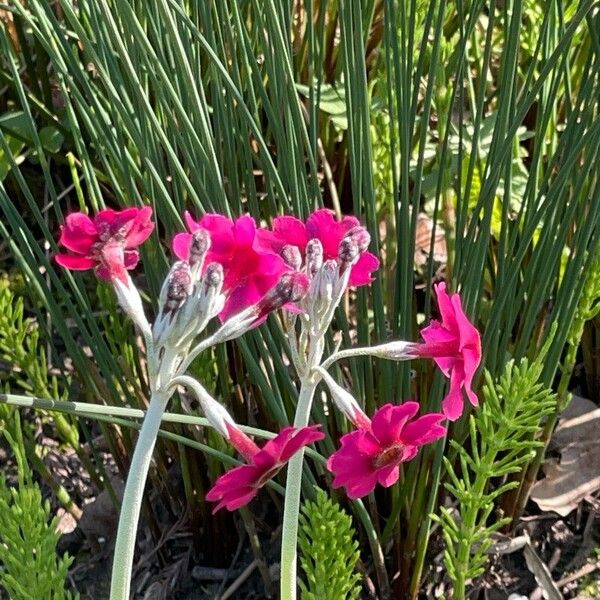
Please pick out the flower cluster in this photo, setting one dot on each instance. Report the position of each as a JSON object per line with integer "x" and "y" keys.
{"x": 238, "y": 272}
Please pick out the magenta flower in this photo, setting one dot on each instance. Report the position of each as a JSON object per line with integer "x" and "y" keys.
{"x": 107, "y": 243}
{"x": 371, "y": 456}
{"x": 455, "y": 345}
{"x": 321, "y": 225}
{"x": 241, "y": 484}
{"x": 249, "y": 270}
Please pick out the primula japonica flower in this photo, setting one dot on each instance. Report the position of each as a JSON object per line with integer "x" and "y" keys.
{"x": 107, "y": 243}
{"x": 455, "y": 345}
{"x": 369, "y": 456}
{"x": 322, "y": 225}
{"x": 249, "y": 270}
{"x": 241, "y": 484}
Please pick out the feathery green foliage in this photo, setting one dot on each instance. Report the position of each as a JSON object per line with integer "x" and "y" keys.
{"x": 30, "y": 567}
{"x": 329, "y": 551}
{"x": 500, "y": 444}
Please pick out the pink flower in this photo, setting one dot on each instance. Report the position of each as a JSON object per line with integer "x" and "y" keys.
{"x": 321, "y": 225}
{"x": 249, "y": 271}
{"x": 371, "y": 456}
{"x": 106, "y": 243}
{"x": 241, "y": 484}
{"x": 455, "y": 345}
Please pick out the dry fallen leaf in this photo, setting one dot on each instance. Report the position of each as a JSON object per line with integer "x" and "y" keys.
{"x": 577, "y": 473}
{"x": 423, "y": 242}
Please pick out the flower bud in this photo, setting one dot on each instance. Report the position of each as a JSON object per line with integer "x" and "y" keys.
{"x": 325, "y": 281}
{"x": 348, "y": 252}
{"x": 345, "y": 402}
{"x": 174, "y": 294}
{"x": 213, "y": 276}
{"x": 179, "y": 287}
{"x": 314, "y": 256}
{"x": 131, "y": 302}
{"x": 360, "y": 236}
{"x": 292, "y": 257}
{"x": 198, "y": 248}
{"x": 206, "y": 303}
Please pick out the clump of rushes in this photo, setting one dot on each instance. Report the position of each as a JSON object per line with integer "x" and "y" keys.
{"x": 237, "y": 272}
{"x": 329, "y": 551}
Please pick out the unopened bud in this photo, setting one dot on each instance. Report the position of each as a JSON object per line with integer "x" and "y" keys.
{"x": 314, "y": 256}
{"x": 292, "y": 257}
{"x": 199, "y": 247}
{"x": 345, "y": 402}
{"x": 213, "y": 276}
{"x": 360, "y": 236}
{"x": 174, "y": 294}
{"x": 348, "y": 251}
{"x": 179, "y": 287}
{"x": 292, "y": 287}
{"x": 327, "y": 278}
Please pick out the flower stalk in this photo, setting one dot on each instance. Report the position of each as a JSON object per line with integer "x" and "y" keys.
{"x": 133, "y": 496}
{"x": 293, "y": 487}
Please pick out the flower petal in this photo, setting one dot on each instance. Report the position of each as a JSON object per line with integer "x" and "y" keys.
{"x": 362, "y": 270}
{"x": 244, "y": 230}
{"x": 389, "y": 420}
{"x": 388, "y": 475}
{"x": 78, "y": 234}
{"x": 452, "y": 405}
{"x": 424, "y": 430}
{"x": 181, "y": 245}
{"x": 141, "y": 228}
{"x": 75, "y": 263}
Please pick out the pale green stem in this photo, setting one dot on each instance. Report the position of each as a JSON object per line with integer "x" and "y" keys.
{"x": 132, "y": 498}
{"x": 292, "y": 496}
{"x": 401, "y": 351}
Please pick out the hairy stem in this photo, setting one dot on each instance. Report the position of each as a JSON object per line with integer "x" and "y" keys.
{"x": 293, "y": 486}
{"x": 132, "y": 498}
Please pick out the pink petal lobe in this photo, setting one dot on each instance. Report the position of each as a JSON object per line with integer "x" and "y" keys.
{"x": 79, "y": 233}
{"x": 446, "y": 308}
{"x": 75, "y": 263}
{"x": 190, "y": 222}
{"x": 181, "y": 245}
{"x": 424, "y": 430}
{"x": 291, "y": 230}
{"x": 141, "y": 228}
{"x": 244, "y": 230}
{"x": 361, "y": 273}
{"x": 387, "y": 476}
{"x": 389, "y": 420}
{"x": 322, "y": 225}
{"x": 452, "y": 405}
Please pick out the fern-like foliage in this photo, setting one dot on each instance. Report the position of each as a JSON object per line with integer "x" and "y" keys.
{"x": 329, "y": 551}
{"x": 501, "y": 442}
{"x": 23, "y": 351}
{"x": 30, "y": 567}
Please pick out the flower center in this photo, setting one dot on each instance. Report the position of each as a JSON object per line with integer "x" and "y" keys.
{"x": 389, "y": 456}
{"x": 267, "y": 475}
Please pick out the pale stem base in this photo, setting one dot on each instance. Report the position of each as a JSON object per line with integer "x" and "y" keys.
{"x": 132, "y": 498}
{"x": 292, "y": 497}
